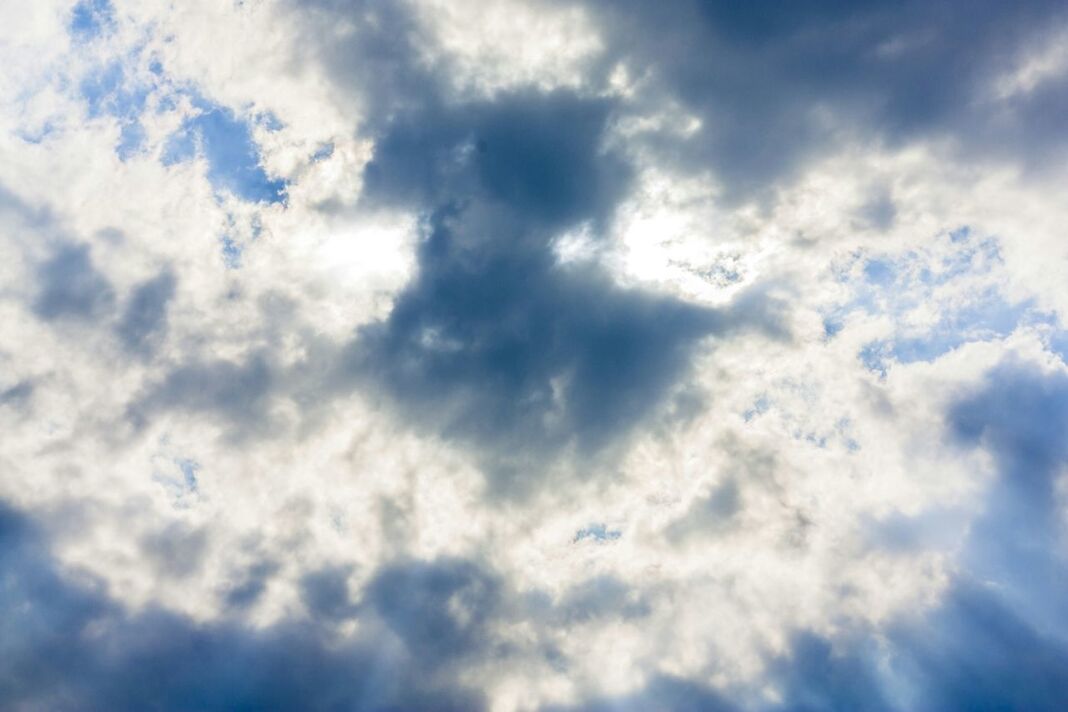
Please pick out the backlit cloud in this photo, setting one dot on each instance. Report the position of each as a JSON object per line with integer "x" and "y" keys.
{"x": 533, "y": 355}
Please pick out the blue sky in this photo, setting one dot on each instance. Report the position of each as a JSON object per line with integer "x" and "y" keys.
{"x": 533, "y": 355}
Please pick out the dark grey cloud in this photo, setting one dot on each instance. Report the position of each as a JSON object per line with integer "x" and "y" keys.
{"x": 711, "y": 513}
{"x": 439, "y": 608}
{"x": 326, "y": 594}
{"x": 18, "y": 394}
{"x": 972, "y": 652}
{"x": 32, "y": 217}
{"x": 664, "y": 694}
{"x": 599, "y": 597}
{"x": 70, "y": 286}
{"x": 1021, "y": 417}
{"x": 538, "y": 156}
{"x": 815, "y": 677}
{"x": 144, "y": 319}
{"x": 240, "y": 392}
{"x": 371, "y": 49}
{"x": 248, "y": 590}
{"x": 879, "y": 211}
{"x": 776, "y": 86}
{"x": 64, "y": 645}
{"x": 977, "y": 653}
{"x": 494, "y": 341}
{"x": 176, "y": 551}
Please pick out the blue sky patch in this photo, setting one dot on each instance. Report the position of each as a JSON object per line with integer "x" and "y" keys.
{"x": 231, "y": 252}
{"x": 109, "y": 92}
{"x": 232, "y": 155}
{"x": 985, "y": 318}
{"x": 322, "y": 153}
{"x": 214, "y": 131}
{"x": 91, "y": 18}
{"x": 1058, "y": 343}
{"x": 597, "y": 532}
{"x": 131, "y": 140}
{"x": 959, "y": 280}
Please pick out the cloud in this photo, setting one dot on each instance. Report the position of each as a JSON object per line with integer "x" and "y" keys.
{"x": 439, "y": 608}
{"x": 71, "y": 287}
{"x": 144, "y": 320}
{"x": 252, "y": 587}
{"x": 669, "y": 694}
{"x": 492, "y": 321}
{"x": 424, "y": 623}
{"x": 176, "y": 551}
{"x": 962, "y": 657}
{"x": 238, "y": 392}
{"x": 555, "y": 355}
{"x": 710, "y": 513}
{"x": 773, "y": 89}
{"x": 1021, "y": 417}
{"x": 17, "y": 394}
{"x": 997, "y": 638}
{"x": 70, "y": 647}
{"x": 326, "y": 593}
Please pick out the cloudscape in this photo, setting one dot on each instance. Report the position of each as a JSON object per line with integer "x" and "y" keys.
{"x": 533, "y": 355}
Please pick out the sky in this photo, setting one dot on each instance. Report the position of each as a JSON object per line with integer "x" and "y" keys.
{"x": 533, "y": 355}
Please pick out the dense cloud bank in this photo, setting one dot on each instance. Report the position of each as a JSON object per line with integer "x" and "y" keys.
{"x": 69, "y": 647}
{"x": 533, "y": 355}
{"x": 774, "y": 87}
{"x": 494, "y": 340}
